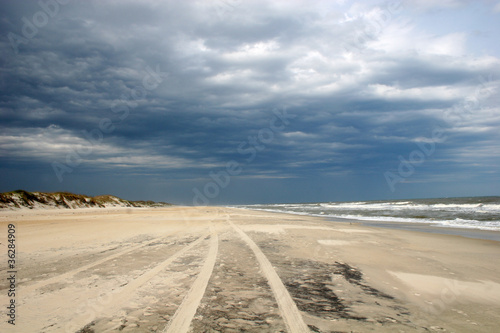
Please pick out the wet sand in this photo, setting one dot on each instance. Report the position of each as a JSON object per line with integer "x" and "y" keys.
{"x": 212, "y": 269}
{"x": 431, "y": 228}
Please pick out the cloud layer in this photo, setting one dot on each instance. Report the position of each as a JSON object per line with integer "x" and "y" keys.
{"x": 160, "y": 94}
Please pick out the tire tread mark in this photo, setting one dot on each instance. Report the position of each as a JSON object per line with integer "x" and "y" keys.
{"x": 69, "y": 274}
{"x": 127, "y": 291}
{"x": 289, "y": 311}
{"x": 122, "y": 295}
{"x": 181, "y": 320}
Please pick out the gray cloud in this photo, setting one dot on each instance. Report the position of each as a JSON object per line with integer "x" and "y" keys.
{"x": 358, "y": 101}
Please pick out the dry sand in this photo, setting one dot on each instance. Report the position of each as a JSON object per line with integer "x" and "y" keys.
{"x": 229, "y": 270}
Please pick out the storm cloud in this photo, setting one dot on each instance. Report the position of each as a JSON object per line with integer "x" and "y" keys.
{"x": 250, "y": 101}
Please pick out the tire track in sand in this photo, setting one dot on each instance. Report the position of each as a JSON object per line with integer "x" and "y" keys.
{"x": 181, "y": 320}
{"x": 29, "y": 288}
{"x": 289, "y": 311}
{"x": 126, "y": 292}
{"x": 122, "y": 295}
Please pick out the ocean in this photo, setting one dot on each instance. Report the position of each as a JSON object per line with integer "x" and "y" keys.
{"x": 472, "y": 212}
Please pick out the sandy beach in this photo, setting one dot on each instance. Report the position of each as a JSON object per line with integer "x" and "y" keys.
{"x": 213, "y": 269}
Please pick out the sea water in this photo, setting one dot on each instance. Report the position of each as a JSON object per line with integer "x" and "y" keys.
{"x": 472, "y": 212}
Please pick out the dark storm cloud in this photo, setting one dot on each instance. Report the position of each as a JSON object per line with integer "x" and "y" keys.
{"x": 222, "y": 73}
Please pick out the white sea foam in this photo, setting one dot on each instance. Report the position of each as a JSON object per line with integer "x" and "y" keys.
{"x": 476, "y": 213}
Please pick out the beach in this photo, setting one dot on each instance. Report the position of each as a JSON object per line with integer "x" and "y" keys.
{"x": 215, "y": 269}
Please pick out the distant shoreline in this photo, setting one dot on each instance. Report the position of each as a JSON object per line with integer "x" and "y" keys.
{"x": 430, "y": 228}
{"x": 408, "y": 226}
{"x": 457, "y": 216}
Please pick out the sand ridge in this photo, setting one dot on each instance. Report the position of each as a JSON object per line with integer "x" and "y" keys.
{"x": 289, "y": 311}
{"x": 182, "y": 318}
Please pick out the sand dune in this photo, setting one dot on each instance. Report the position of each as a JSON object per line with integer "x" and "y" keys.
{"x": 212, "y": 269}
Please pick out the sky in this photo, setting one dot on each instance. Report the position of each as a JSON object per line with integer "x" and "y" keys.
{"x": 242, "y": 102}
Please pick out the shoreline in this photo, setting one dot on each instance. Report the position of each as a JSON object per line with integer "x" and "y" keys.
{"x": 492, "y": 235}
{"x": 427, "y": 227}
